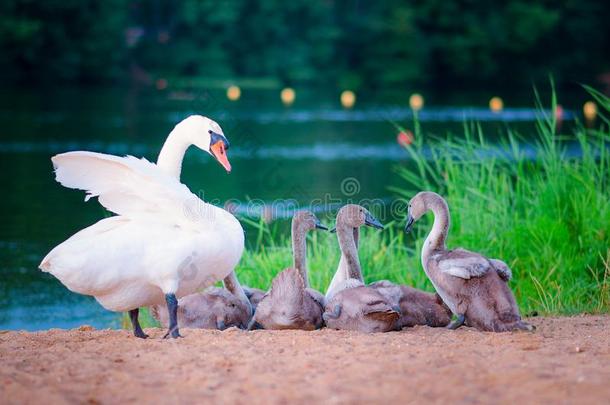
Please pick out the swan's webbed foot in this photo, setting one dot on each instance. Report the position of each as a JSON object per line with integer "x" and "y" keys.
{"x": 459, "y": 321}
{"x": 172, "y": 333}
{"x": 137, "y": 329}
{"x": 172, "y": 308}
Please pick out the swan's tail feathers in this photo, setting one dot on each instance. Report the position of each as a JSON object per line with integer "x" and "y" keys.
{"x": 502, "y": 269}
{"x": 45, "y": 265}
{"x": 288, "y": 286}
{"x": 49, "y": 262}
{"x": 128, "y": 186}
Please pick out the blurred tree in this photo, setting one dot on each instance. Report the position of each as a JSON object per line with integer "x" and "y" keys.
{"x": 74, "y": 40}
{"x": 345, "y": 43}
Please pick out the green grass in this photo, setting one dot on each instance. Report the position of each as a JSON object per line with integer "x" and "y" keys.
{"x": 548, "y": 217}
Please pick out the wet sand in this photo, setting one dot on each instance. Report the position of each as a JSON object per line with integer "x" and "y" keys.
{"x": 566, "y": 360}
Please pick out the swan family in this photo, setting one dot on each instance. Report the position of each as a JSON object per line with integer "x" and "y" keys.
{"x": 165, "y": 249}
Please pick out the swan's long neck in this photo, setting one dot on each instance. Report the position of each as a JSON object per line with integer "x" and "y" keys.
{"x": 348, "y": 242}
{"x": 172, "y": 153}
{"x": 170, "y": 161}
{"x": 437, "y": 236}
{"x": 299, "y": 250}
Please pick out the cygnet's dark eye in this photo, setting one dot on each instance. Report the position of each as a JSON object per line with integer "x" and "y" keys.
{"x": 210, "y": 131}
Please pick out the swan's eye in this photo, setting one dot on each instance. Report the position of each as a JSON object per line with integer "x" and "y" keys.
{"x": 210, "y": 131}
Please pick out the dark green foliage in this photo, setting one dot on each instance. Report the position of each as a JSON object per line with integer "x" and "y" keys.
{"x": 68, "y": 40}
{"x": 355, "y": 44}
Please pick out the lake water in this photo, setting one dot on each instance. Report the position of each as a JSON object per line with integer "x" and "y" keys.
{"x": 299, "y": 153}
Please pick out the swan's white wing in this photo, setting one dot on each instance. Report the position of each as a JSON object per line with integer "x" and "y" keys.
{"x": 465, "y": 267}
{"x": 128, "y": 186}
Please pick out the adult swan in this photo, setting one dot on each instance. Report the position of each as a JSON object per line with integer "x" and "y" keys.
{"x": 164, "y": 243}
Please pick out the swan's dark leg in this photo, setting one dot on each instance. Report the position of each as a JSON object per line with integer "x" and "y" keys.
{"x": 172, "y": 308}
{"x": 137, "y": 329}
{"x": 457, "y": 323}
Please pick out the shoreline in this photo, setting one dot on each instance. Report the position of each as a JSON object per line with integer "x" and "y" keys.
{"x": 567, "y": 359}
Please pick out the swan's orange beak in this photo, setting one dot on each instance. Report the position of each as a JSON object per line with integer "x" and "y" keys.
{"x": 219, "y": 152}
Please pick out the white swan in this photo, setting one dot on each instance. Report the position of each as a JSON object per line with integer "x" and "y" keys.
{"x": 164, "y": 243}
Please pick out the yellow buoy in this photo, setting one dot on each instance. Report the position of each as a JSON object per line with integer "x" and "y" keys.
{"x": 233, "y": 93}
{"x": 287, "y": 95}
{"x": 416, "y": 101}
{"x": 348, "y": 99}
{"x": 589, "y": 109}
{"x": 496, "y": 104}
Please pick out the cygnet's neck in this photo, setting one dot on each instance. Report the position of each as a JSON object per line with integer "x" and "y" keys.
{"x": 438, "y": 235}
{"x": 299, "y": 249}
{"x": 349, "y": 250}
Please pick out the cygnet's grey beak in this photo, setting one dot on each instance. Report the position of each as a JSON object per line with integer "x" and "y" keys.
{"x": 370, "y": 220}
{"x": 410, "y": 221}
{"x": 321, "y": 226}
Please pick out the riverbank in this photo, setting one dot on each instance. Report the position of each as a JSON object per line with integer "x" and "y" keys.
{"x": 566, "y": 360}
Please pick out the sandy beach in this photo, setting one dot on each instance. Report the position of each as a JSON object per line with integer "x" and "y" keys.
{"x": 567, "y": 360}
